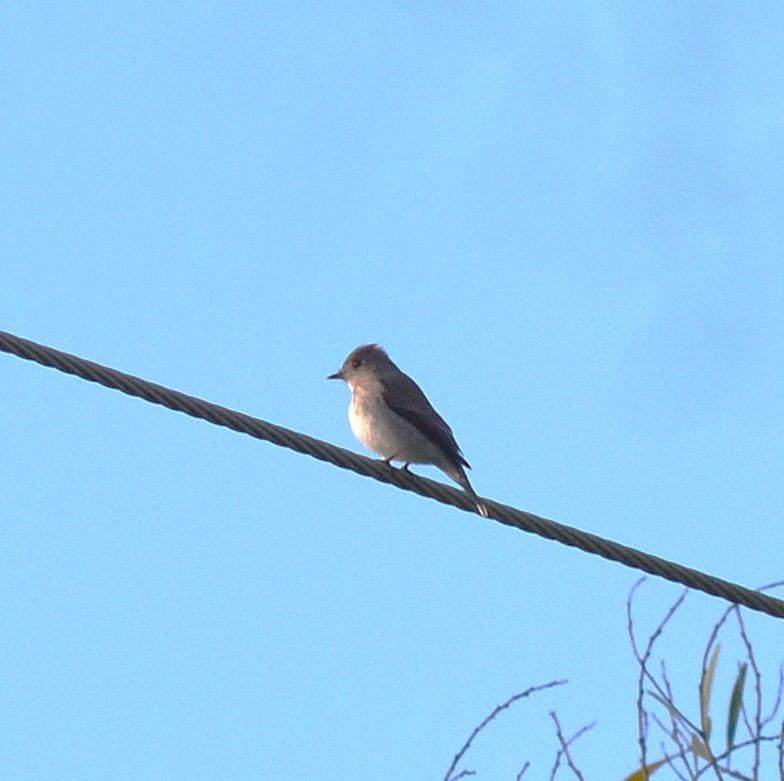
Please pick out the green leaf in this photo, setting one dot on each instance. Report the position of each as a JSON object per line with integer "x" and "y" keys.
{"x": 706, "y": 687}
{"x": 736, "y": 700}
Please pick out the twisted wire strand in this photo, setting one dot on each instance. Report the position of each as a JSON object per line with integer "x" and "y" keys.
{"x": 378, "y": 470}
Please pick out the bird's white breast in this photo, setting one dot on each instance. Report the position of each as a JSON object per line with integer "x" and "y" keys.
{"x": 367, "y": 417}
{"x": 384, "y": 432}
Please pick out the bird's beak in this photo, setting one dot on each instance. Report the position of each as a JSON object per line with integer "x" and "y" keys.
{"x": 336, "y": 376}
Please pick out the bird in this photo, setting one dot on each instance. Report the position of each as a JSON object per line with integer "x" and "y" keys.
{"x": 390, "y": 414}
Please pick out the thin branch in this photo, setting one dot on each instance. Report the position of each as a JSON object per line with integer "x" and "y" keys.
{"x": 672, "y": 767}
{"x": 522, "y": 771}
{"x": 564, "y": 750}
{"x": 642, "y": 716}
{"x": 642, "y": 661}
{"x": 715, "y": 764}
{"x": 768, "y": 719}
{"x": 712, "y": 641}
{"x": 677, "y": 734}
{"x": 491, "y": 716}
{"x": 653, "y": 638}
{"x": 780, "y": 747}
{"x": 757, "y": 689}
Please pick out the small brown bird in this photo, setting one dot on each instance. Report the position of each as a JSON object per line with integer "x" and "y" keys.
{"x": 391, "y": 416}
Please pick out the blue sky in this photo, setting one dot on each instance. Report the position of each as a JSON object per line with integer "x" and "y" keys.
{"x": 564, "y": 221}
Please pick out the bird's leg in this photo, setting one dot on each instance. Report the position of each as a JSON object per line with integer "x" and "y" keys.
{"x": 389, "y": 461}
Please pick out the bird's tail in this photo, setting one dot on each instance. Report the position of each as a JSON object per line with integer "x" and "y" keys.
{"x": 458, "y": 474}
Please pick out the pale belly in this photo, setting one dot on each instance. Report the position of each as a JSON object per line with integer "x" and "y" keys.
{"x": 389, "y": 436}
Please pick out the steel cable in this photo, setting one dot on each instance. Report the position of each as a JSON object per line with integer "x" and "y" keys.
{"x": 378, "y": 470}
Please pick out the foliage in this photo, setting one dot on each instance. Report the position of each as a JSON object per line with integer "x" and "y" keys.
{"x": 689, "y": 745}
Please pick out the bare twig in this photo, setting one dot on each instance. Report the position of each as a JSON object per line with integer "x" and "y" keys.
{"x": 712, "y": 640}
{"x": 757, "y": 690}
{"x": 771, "y": 586}
{"x": 677, "y": 733}
{"x": 737, "y": 747}
{"x": 728, "y": 771}
{"x": 672, "y": 767}
{"x": 653, "y": 638}
{"x": 564, "y": 750}
{"x": 780, "y": 747}
{"x": 774, "y": 710}
{"x": 659, "y": 723}
{"x": 629, "y": 620}
{"x": 642, "y": 661}
{"x": 642, "y": 716}
{"x": 491, "y": 716}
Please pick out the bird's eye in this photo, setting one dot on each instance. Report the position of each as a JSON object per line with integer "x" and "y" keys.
{"x": 356, "y": 363}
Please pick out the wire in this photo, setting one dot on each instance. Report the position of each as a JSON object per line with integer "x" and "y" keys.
{"x": 378, "y": 470}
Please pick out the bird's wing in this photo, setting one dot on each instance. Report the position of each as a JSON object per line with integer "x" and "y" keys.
{"x": 404, "y": 397}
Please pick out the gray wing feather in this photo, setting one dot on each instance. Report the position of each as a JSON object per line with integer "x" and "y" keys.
{"x": 404, "y": 397}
